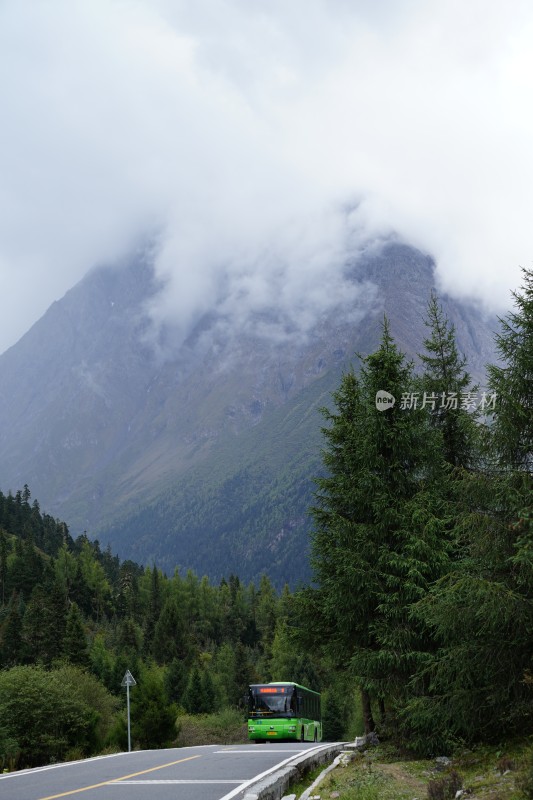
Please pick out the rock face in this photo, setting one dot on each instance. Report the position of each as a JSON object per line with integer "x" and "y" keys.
{"x": 201, "y": 456}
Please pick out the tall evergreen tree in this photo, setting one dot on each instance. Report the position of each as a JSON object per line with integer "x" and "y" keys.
{"x": 44, "y": 622}
{"x": 379, "y": 522}
{"x": 155, "y": 605}
{"x": 169, "y": 640}
{"x": 482, "y": 612}
{"x": 208, "y": 693}
{"x": 193, "y": 699}
{"x": 3, "y": 567}
{"x": 175, "y": 681}
{"x": 152, "y": 718}
{"x": 75, "y": 640}
{"x": 446, "y": 389}
{"x": 11, "y": 644}
{"x": 26, "y": 569}
{"x": 513, "y": 382}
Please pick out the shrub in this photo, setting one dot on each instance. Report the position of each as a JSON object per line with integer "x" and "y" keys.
{"x": 47, "y": 713}
{"x": 224, "y": 727}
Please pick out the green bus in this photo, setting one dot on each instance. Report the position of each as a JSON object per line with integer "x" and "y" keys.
{"x": 279, "y": 711}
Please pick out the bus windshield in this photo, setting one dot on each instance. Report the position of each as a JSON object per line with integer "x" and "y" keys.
{"x": 264, "y": 701}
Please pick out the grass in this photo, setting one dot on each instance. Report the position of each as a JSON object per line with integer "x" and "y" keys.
{"x": 307, "y": 779}
{"x": 384, "y": 773}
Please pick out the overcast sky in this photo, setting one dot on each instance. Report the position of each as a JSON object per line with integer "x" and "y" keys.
{"x": 242, "y": 130}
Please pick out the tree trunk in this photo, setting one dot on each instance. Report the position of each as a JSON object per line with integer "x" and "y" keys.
{"x": 367, "y": 712}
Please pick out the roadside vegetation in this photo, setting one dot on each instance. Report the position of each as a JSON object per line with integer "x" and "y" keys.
{"x": 495, "y": 772}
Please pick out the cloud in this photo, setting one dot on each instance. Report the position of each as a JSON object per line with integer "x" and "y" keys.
{"x": 241, "y": 130}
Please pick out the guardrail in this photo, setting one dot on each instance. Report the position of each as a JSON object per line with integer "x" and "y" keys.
{"x": 274, "y": 786}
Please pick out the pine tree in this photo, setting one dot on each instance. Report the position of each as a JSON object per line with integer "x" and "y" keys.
{"x": 445, "y": 388}
{"x": 152, "y": 718}
{"x": 154, "y": 609}
{"x": 26, "y": 569}
{"x": 169, "y": 640}
{"x": 11, "y": 644}
{"x": 44, "y": 622}
{"x": 378, "y": 540}
{"x": 3, "y": 567}
{"x": 176, "y": 681}
{"x": 482, "y": 612}
{"x": 193, "y": 699}
{"x": 209, "y": 700}
{"x": 512, "y": 429}
{"x": 333, "y": 717}
{"x": 129, "y": 637}
{"x": 75, "y": 641}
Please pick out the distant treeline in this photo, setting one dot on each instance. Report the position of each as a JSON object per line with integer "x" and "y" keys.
{"x": 72, "y": 615}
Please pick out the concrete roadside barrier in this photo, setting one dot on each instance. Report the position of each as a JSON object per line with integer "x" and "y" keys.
{"x": 274, "y": 786}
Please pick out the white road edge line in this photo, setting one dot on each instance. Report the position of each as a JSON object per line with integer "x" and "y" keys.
{"x": 257, "y": 778}
{"x": 33, "y": 770}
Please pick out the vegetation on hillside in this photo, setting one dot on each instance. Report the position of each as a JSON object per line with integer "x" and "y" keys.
{"x": 420, "y": 616}
{"x": 72, "y": 615}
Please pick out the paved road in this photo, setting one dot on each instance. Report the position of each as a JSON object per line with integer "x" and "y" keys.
{"x": 212, "y": 772}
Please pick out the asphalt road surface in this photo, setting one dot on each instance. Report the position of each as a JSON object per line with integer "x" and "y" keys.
{"x": 211, "y": 772}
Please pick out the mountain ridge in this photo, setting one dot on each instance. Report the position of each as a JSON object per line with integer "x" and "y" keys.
{"x": 197, "y": 456}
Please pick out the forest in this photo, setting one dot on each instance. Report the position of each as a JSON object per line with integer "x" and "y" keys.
{"x": 74, "y": 618}
{"x": 418, "y": 621}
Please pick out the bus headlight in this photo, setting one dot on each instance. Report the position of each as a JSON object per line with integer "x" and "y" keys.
{"x": 292, "y": 727}
{"x": 251, "y": 729}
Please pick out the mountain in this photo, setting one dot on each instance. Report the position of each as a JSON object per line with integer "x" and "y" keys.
{"x": 199, "y": 455}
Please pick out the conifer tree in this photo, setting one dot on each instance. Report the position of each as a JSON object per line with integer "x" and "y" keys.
{"x": 446, "y": 388}
{"x": 129, "y": 637}
{"x": 379, "y": 537}
{"x": 152, "y": 718}
{"x": 333, "y": 717}
{"x": 79, "y": 590}
{"x": 209, "y": 700}
{"x": 169, "y": 640}
{"x": 75, "y": 641}
{"x": 512, "y": 430}
{"x": 193, "y": 699}
{"x": 11, "y": 644}
{"x": 154, "y": 609}
{"x": 3, "y": 567}
{"x": 44, "y": 622}
{"x": 176, "y": 681}
{"x": 26, "y": 569}
{"x": 482, "y": 612}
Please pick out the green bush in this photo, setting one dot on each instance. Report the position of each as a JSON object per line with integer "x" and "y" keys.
{"x": 47, "y": 713}
{"x": 224, "y": 727}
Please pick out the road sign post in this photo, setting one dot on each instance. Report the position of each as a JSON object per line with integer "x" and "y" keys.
{"x": 127, "y": 681}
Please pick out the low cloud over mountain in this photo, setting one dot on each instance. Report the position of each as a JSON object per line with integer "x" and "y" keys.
{"x": 242, "y": 132}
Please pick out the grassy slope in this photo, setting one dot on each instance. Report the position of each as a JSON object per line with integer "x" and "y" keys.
{"x": 252, "y": 495}
{"x": 383, "y": 773}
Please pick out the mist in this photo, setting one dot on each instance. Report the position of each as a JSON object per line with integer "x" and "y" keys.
{"x": 265, "y": 143}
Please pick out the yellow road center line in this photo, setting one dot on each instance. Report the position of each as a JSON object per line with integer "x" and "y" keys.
{"x": 116, "y": 780}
